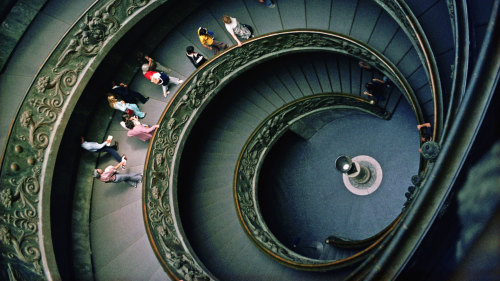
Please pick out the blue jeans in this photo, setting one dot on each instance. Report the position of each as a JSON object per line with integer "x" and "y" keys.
{"x": 135, "y": 108}
{"x": 131, "y": 179}
{"x": 111, "y": 150}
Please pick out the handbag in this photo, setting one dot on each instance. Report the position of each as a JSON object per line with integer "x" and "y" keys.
{"x": 249, "y": 28}
{"x": 130, "y": 112}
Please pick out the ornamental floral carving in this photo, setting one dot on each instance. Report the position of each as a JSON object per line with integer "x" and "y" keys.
{"x": 89, "y": 38}
{"x": 33, "y": 129}
{"x": 18, "y": 229}
{"x": 135, "y": 5}
{"x": 252, "y": 157}
{"x": 186, "y": 107}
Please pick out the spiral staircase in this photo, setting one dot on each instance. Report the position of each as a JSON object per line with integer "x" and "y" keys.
{"x": 225, "y": 131}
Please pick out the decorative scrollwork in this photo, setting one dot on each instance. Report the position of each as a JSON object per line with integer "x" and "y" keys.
{"x": 33, "y": 128}
{"x": 18, "y": 228}
{"x": 89, "y": 38}
{"x": 136, "y": 4}
{"x": 252, "y": 156}
{"x": 162, "y": 222}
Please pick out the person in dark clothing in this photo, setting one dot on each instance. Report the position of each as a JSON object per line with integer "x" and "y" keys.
{"x": 102, "y": 147}
{"x": 194, "y": 57}
{"x": 425, "y": 131}
{"x": 375, "y": 89}
{"x": 126, "y": 94}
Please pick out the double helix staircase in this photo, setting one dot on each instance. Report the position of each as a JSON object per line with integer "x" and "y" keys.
{"x": 119, "y": 244}
{"x": 206, "y": 201}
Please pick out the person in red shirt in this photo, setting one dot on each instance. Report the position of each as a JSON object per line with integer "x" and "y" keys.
{"x": 160, "y": 78}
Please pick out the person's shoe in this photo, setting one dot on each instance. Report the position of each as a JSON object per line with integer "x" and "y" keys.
{"x": 166, "y": 94}
{"x": 180, "y": 82}
{"x": 272, "y": 5}
{"x": 124, "y": 159}
{"x": 146, "y": 100}
{"x": 116, "y": 144}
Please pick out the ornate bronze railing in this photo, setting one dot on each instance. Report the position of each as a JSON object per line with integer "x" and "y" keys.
{"x": 460, "y": 23}
{"x": 341, "y": 242}
{"x": 252, "y": 157}
{"x": 33, "y": 141}
{"x": 160, "y": 192}
{"x": 32, "y": 144}
{"x": 405, "y": 18}
{"x": 447, "y": 167}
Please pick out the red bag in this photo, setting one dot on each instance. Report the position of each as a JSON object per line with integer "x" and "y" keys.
{"x": 130, "y": 112}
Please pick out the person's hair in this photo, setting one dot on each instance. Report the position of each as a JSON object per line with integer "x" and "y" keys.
{"x": 145, "y": 67}
{"x": 129, "y": 124}
{"x": 111, "y": 100}
{"x": 203, "y": 31}
{"x": 189, "y": 49}
{"x": 125, "y": 117}
{"x": 96, "y": 174}
{"x": 226, "y": 19}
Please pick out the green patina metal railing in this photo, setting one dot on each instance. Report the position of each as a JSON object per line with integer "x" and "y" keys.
{"x": 162, "y": 164}
{"x": 405, "y": 18}
{"x": 31, "y": 150}
{"x": 252, "y": 157}
{"x": 459, "y": 19}
{"x": 448, "y": 166}
{"x": 33, "y": 141}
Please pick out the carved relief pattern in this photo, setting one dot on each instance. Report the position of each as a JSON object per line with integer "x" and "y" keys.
{"x": 186, "y": 106}
{"x": 18, "y": 228}
{"x": 135, "y": 5}
{"x": 252, "y": 157}
{"x": 88, "y": 40}
{"x": 33, "y": 129}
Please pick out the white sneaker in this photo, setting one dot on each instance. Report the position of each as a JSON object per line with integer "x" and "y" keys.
{"x": 124, "y": 161}
{"x": 108, "y": 140}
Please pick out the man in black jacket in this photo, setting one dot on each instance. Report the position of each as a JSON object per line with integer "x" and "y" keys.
{"x": 126, "y": 94}
{"x": 194, "y": 57}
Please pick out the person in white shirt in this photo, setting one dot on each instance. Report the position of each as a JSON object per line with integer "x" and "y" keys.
{"x": 102, "y": 147}
{"x": 236, "y": 29}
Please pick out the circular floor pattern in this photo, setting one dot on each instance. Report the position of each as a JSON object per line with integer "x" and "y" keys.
{"x": 375, "y": 177}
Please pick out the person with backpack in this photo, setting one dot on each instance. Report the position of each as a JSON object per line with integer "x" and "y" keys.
{"x": 236, "y": 29}
{"x": 207, "y": 40}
